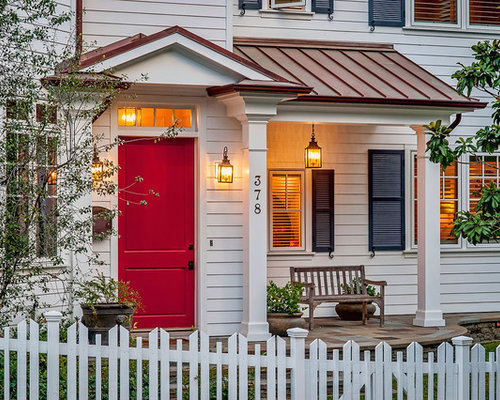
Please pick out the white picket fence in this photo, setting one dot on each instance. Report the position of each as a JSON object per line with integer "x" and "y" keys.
{"x": 74, "y": 369}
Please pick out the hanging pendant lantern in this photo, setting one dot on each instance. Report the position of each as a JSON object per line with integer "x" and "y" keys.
{"x": 224, "y": 169}
{"x": 97, "y": 167}
{"x": 313, "y": 157}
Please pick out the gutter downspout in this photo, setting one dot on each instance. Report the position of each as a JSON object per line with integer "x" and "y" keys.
{"x": 455, "y": 123}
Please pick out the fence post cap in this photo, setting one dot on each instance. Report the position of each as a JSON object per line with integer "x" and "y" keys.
{"x": 462, "y": 341}
{"x": 52, "y": 316}
{"x": 297, "y": 332}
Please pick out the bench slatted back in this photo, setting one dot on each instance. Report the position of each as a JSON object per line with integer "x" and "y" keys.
{"x": 331, "y": 281}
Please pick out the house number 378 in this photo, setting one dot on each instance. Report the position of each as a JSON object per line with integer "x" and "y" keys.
{"x": 257, "y": 182}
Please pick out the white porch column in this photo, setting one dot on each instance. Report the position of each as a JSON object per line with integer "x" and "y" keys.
{"x": 254, "y": 323}
{"x": 254, "y": 110}
{"x": 428, "y": 265}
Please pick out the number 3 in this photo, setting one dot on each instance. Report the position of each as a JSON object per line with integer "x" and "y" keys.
{"x": 257, "y": 180}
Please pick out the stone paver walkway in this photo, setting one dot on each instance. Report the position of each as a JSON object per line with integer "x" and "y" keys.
{"x": 398, "y": 331}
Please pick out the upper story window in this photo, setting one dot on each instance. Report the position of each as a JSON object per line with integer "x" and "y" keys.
{"x": 315, "y": 6}
{"x": 155, "y": 117}
{"x": 457, "y": 13}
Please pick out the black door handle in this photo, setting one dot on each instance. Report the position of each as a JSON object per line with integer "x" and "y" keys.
{"x": 190, "y": 265}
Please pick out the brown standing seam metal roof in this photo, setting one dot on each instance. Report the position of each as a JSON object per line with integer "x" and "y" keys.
{"x": 352, "y": 73}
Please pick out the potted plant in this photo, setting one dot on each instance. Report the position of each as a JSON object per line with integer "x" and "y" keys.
{"x": 105, "y": 303}
{"x": 283, "y": 310}
{"x": 353, "y": 311}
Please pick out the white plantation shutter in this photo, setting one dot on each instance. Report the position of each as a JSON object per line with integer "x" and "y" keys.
{"x": 286, "y": 203}
{"x": 484, "y": 12}
{"x": 444, "y": 11}
{"x": 386, "y": 199}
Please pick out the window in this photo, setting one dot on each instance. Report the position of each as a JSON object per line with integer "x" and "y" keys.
{"x": 316, "y": 6}
{"x": 155, "y": 116}
{"x": 482, "y": 171}
{"x": 287, "y": 3}
{"x": 484, "y": 12}
{"x": 46, "y": 175}
{"x": 287, "y": 210}
{"x": 436, "y": 11}
{"x": 458, "y": 13}
{"x": 448, "y": 202}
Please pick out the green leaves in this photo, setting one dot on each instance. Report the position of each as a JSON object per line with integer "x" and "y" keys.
{"x": 285, "y": 299}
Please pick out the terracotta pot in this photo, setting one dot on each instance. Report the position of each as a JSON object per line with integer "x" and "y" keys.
{"x": 280, "y": 322}
{"x": 104, "y": 318}
{"x": 353, "y": 311}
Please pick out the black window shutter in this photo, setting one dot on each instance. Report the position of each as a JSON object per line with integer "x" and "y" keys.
{"x": 250, "y": 4}
{"x": 386, "y": 192}
{"x": 322, "y": 6}
{"x": 386, "y": 12}
{"x": 323, "y": 227}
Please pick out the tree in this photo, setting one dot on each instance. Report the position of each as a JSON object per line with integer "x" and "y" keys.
{"x": 482, "y": 223}
{"x": 46, "y": 150}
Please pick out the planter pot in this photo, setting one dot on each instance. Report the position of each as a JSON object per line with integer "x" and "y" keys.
{"x": 280, "y": 322}
{"x": 353, "y": 311}
{"x": 104, "y": 318}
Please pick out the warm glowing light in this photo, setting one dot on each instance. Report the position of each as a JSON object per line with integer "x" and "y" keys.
{"x": 97, "y": 167}
{"x": 224, "y": 169}
{"x": 52, "y": 177}
{"x": 126, "y": 116}
{"x": 313, "y": 158}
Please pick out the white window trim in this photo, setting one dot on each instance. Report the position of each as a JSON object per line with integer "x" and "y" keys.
{"x": 462, "y": 25}
{"x": 410, "y": 243}
{"x": 303, "y": 210}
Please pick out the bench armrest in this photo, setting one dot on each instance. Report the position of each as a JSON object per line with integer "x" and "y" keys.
{"x": 309, "y": 288}
{"x": 379, "y": 283}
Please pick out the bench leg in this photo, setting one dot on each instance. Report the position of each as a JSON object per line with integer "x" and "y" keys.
{"x": 311, "y": 315}
{"x": 365, "y": 312}
{"x": 382, "y": 315}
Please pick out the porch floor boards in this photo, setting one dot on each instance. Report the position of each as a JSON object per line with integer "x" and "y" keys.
{"x": 398, "y": 331}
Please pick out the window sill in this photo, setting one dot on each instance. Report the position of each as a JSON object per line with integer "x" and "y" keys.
{"x": 301, "y": 253}
{"x": 447, "y": 29}
{"x": 287, "y": 14}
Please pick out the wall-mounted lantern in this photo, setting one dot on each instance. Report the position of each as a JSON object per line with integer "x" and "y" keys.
{"x": 313, "y": 157}
{"x": 97, "y": 167}
{"x": 224, "y": 169}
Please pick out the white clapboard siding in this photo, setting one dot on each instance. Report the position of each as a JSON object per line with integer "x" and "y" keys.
{"x": 314, "y": 372}
{"x": 105, "y": 21}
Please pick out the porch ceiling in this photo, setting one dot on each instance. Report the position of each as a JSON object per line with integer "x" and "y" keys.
{"x": 352, "y": 73}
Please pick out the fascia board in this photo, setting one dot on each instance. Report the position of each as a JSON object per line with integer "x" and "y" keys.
{"x": 194, "y": 47}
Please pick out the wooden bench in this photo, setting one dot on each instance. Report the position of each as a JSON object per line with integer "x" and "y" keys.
{"x": 337, "y": 284}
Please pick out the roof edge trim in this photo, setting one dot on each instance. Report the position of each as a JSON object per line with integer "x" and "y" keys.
{"x": 241, "y": 41}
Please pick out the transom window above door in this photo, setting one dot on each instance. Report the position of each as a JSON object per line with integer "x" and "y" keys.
{"x": 155, "y": 117}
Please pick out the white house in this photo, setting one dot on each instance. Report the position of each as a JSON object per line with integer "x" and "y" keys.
{"x": 258, "y": 77}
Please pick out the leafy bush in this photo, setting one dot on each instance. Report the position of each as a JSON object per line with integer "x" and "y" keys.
{"x": 354, "y": 288}
{"x": 285, "y": 299}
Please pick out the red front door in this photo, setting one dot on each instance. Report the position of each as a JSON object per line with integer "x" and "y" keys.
{"x": 156, "y": 240}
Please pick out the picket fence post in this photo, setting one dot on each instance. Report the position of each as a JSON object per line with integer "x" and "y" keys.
{"x": 462, "y": 358}
{"x": 53, "y": 319}
{"x": 297, "y": 354}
